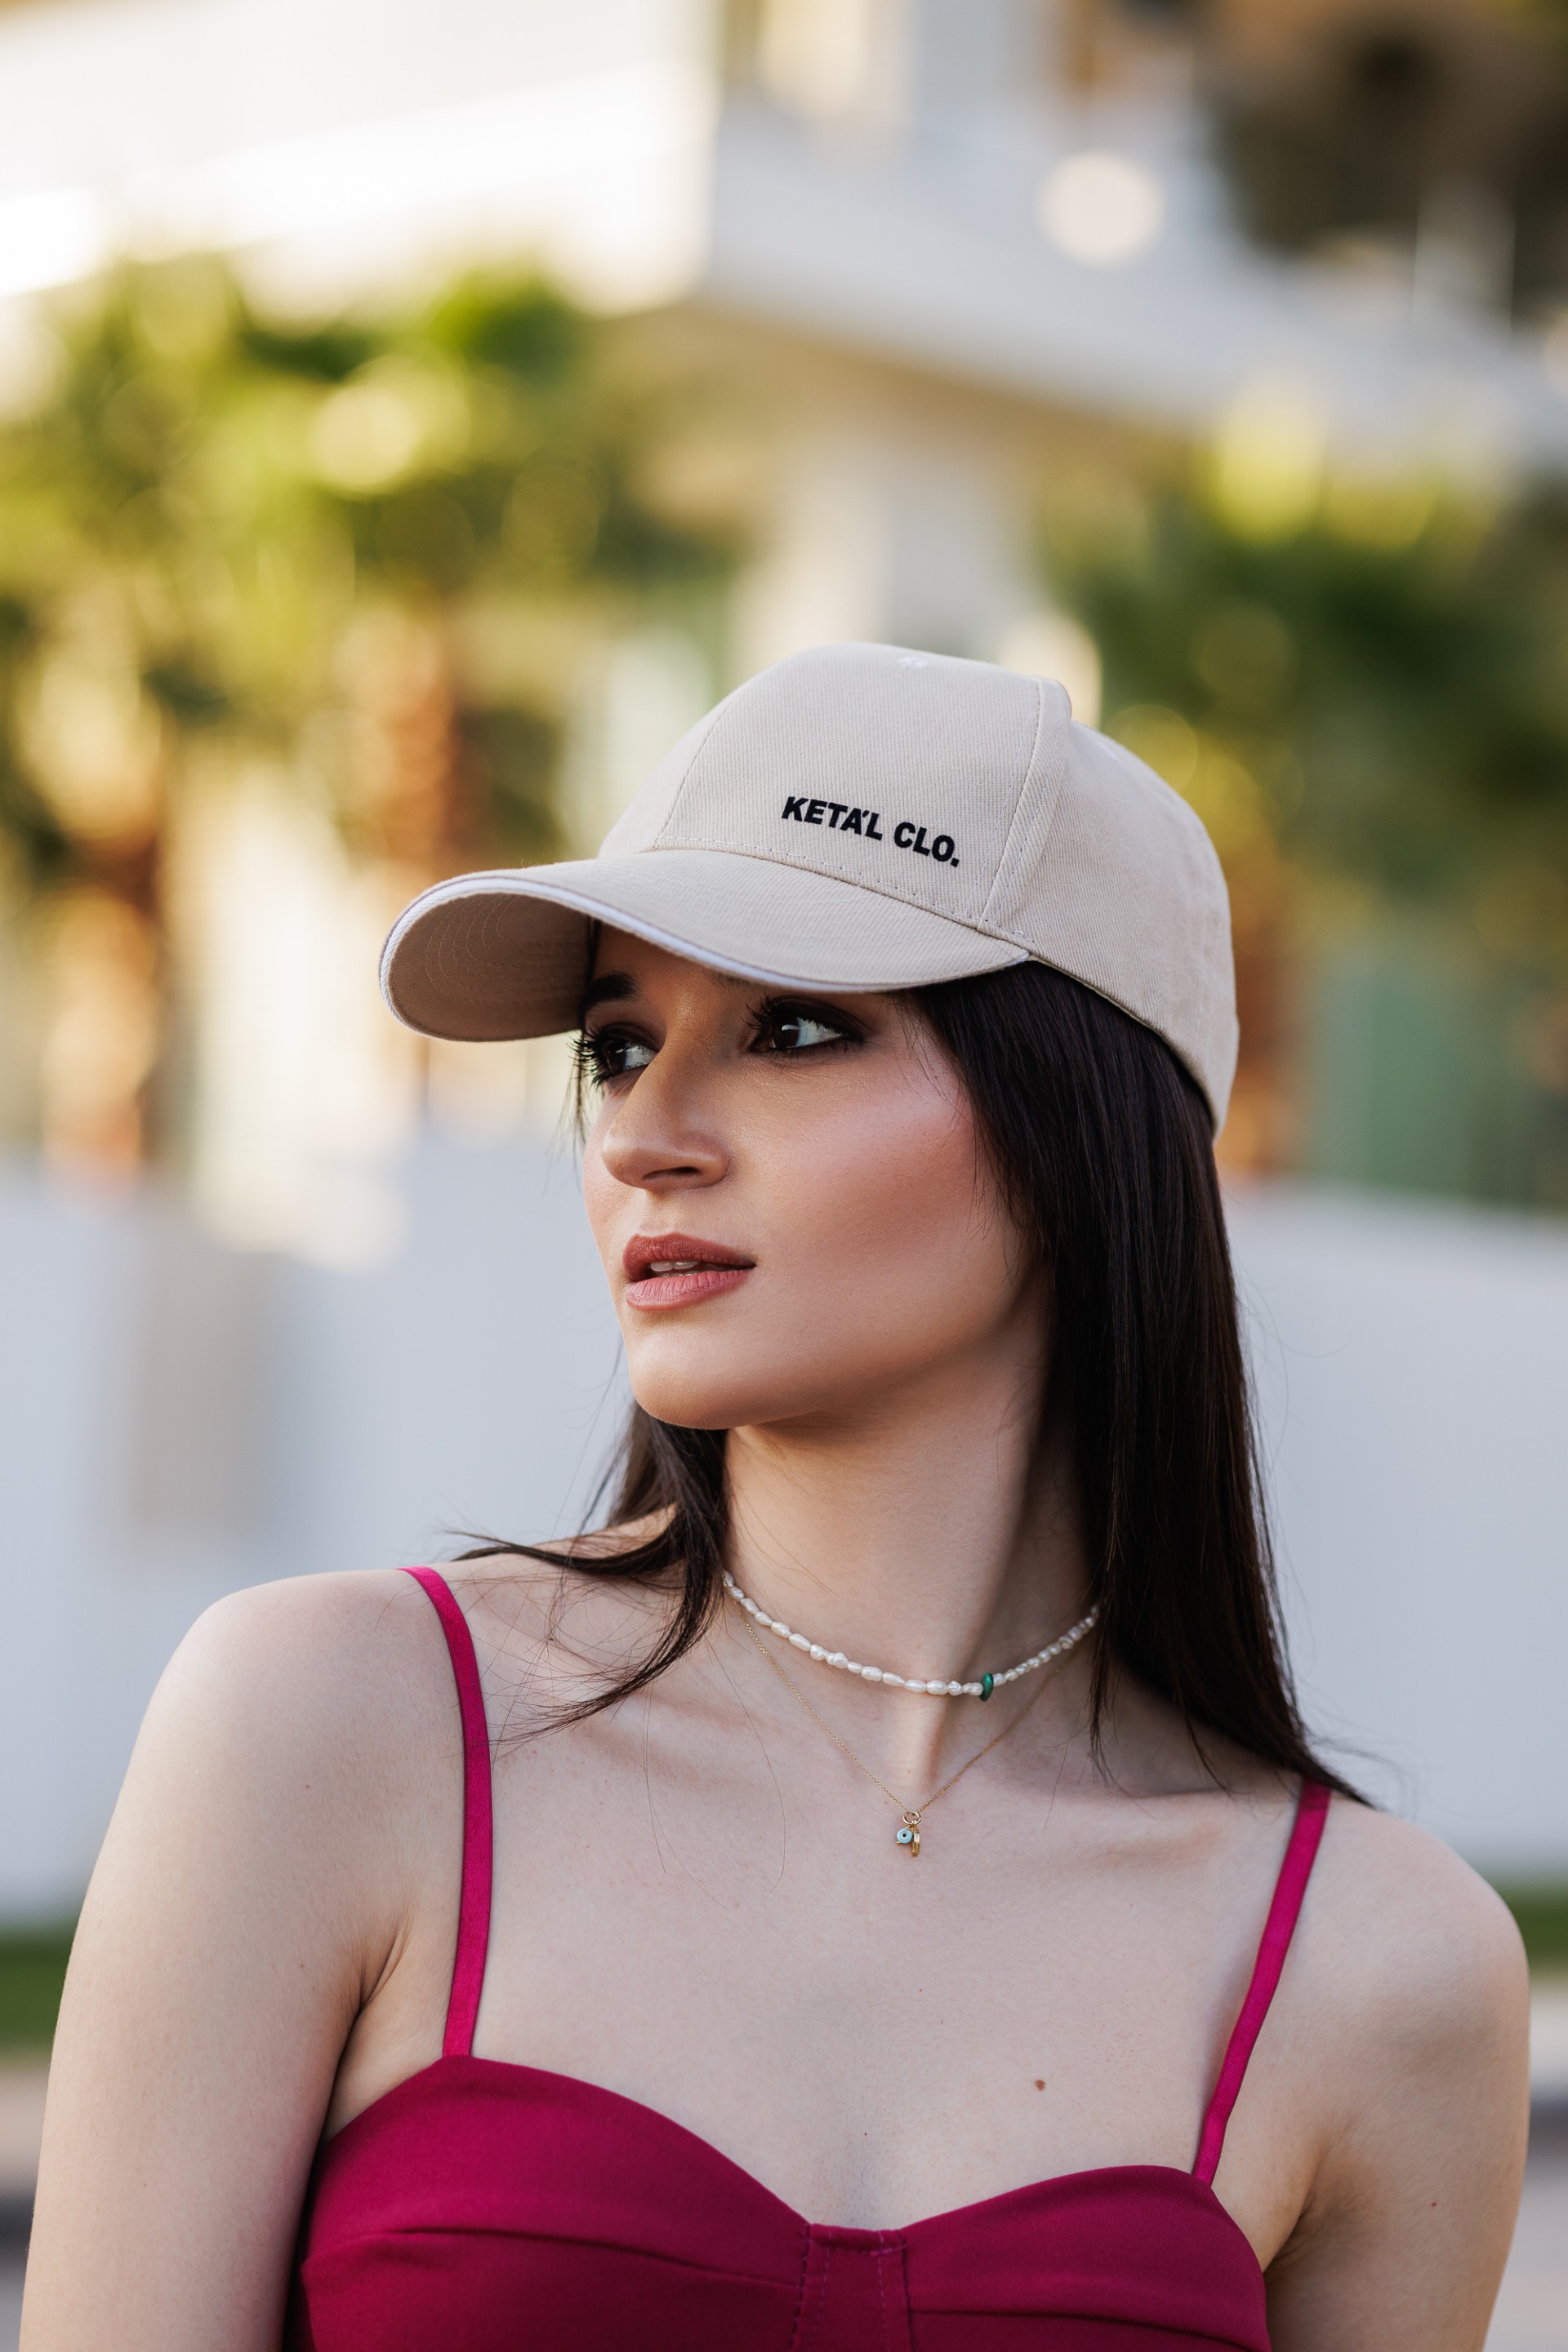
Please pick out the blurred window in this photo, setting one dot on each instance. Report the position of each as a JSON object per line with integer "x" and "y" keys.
{"x": 1438, "y": 140}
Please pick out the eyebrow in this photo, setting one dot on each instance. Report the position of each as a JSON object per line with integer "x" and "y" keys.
{"x": 610, "y": 988}
{"x": 620, "y": 988}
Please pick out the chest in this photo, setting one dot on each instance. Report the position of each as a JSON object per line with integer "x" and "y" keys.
{"x": 876, "y": 2034}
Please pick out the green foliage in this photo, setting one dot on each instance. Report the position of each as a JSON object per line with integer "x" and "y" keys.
{"x": 194, "y": 520}
{"x": 1404, "y": 707}
{"x": 1376, "y": 694}
{"x": 1542, "y": 1913}
{"x": 509, "y": 757}
{"x": 1551, "y": 15}
{"x": 534, "y": 335}
{"x": 32, "y": 1973}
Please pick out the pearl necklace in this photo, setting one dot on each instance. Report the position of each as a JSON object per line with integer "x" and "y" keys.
{"x": 981, "y": 1690}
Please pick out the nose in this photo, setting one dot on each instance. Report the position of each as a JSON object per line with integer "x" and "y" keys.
{"x": 661, "y": 1137}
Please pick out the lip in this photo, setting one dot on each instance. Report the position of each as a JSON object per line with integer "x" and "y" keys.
{"x": 710, "y": 1269}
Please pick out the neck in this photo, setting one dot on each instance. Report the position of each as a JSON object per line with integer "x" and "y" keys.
{"x": 927, "y": 1534}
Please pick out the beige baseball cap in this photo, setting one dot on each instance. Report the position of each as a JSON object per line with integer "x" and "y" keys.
{"x": 861, "y": 817}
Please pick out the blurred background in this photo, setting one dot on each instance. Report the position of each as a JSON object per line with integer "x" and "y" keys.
{"x": 410, "y": 419}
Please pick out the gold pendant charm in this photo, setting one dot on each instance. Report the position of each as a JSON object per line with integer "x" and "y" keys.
{"x": 909, "y": 1836}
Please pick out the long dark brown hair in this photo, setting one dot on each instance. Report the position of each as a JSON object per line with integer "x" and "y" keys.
{"x": 1099, "y": 1143}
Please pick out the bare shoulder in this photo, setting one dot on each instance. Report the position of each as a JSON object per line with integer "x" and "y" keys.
{"x": 1403, "y": 2049}
{"x": 355, "y": 1667}
{"x": 1416, "y": 2012}
{"x": 310, "y": 1717}
{"x": 318, "y": 1660}
{"x": 1421, "y": 1945}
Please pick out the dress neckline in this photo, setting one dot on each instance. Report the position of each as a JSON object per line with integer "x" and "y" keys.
{"x": 463, "y": 2068}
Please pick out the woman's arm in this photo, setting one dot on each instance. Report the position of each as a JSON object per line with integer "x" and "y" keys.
{"x": 1427, "y": 2066}
{"x": 252, "y": 1891}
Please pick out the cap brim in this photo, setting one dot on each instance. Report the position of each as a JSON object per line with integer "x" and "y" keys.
{"x": 488, "y": 956}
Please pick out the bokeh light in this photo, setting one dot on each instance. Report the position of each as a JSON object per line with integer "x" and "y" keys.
{"x": 1102, "y": 208}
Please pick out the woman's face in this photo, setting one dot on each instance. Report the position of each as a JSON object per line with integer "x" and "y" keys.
{"x": 789, "y": 1198}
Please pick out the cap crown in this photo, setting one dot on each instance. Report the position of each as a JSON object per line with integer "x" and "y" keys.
{"x": 971, "y": 791}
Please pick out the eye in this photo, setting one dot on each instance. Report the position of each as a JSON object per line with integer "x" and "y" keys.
{"x": 612, "y": 1054}
{"x": 797, "y": 1028}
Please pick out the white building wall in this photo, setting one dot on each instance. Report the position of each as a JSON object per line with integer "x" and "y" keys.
{"x": 176, "y": 1420}
{"x": 1412, "y": 1365}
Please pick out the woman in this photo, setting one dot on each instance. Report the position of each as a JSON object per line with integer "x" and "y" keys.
{"x": 593, "y": 1958}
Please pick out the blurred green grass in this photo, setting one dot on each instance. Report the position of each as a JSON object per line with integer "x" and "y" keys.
{"x": 32, "y": 1971}
{"x": 1542, "y": 1912}
{"x": 33, "y": 1962}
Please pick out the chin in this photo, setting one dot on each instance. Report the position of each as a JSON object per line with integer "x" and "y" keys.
{"x": 705, "y": 1400}
{"x": 694, "y": 1385}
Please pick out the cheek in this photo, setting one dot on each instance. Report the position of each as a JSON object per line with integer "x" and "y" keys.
{"x": 606, "y": 1203}
{"x": 883, "y": 1211}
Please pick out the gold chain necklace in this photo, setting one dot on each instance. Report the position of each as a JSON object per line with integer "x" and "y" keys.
{"x": 908, "y": 1833}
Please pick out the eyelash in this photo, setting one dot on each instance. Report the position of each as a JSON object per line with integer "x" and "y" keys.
{"x": 591, "y": 1046}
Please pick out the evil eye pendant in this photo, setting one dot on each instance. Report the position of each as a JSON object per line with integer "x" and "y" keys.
{"x": 908, "y": 1836}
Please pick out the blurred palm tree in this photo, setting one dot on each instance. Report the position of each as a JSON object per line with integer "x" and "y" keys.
{"x": 362, "y": 554}
{"x": 1367, "y": 699}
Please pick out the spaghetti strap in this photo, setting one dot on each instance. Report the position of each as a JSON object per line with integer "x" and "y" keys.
{"x": 474, "y": 1904}
{"x": 1311, "y": 1811}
